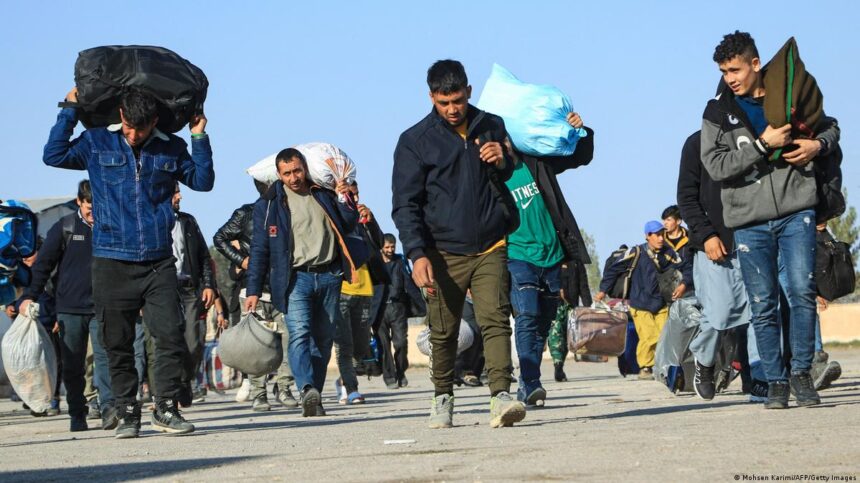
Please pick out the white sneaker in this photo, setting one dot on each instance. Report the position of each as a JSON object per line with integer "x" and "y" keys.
{"x": 244, "y": 391}
{"x": 342, "y": 396}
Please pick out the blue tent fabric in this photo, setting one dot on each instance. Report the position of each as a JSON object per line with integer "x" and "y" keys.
{"x": 535, "y": 115}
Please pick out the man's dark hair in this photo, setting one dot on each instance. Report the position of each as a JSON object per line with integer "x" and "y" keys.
{"x": 287, "y": 155}
{"x": 738, "y": 43}
{"x": 672, "y": 211}
{"x": 389, "y": 238}
{"x": 139, "y": 108}
{"x": 446, "y": 77}
{"x": 85, "y": 193}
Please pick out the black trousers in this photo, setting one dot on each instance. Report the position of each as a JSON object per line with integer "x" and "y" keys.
{"x": 120, "y": 290}
{"x": 195, "y": 331}
{"x": 392, "y": 331}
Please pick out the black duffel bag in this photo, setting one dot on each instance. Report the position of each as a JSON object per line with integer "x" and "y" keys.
{"x": 103, "y": 73}
{"x": 834, "y": 267}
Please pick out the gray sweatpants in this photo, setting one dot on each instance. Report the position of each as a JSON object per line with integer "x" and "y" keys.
{"x": 720, "y": 290}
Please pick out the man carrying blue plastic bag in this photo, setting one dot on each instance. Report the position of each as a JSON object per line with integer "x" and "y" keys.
{"x": 547, "y": 236}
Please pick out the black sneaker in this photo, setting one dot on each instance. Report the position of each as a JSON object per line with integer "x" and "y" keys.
{"x": 261, "y": 403}
{"x": 78, "y": 423}
{"x": 403, "y": 382}
{"x": 560, "y": 376}
{"x": 93, "y": 411}
{"x": 804, "y": 389}
{"x": 824, "y": 373}
{"x": 472, "y": 380}
{"x": 168, "y": 419}
{"x": 758, "y": 391}
{"x": 110, "y": 418}
{"x": 129, "y": 421}
{"x": 777, "y": 395}
{"x": 199, "y": 395}
{"x": 310, "y": 400}
{"x": 703, "y": 382}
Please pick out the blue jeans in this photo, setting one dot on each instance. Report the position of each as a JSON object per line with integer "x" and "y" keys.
{"x": 312, "y": 312}
{"x": 76, "y": 331}
{"x": 534, "y": 300}
{"x": 761, "y": 248}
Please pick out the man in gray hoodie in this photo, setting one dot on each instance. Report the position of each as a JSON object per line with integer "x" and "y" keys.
{"x": 771, "y": 207}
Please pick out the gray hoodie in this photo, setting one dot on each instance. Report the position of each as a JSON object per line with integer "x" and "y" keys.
{"x": 754, "y": 190}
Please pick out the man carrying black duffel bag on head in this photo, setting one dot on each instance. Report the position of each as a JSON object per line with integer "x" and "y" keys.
{"x": 133, "y": 167}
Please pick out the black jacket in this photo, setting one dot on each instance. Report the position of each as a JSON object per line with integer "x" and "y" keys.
{"x": 544, "y": 170}
{"x": 372, "y": 235}
{"x": 699, "y": 198}
{"x": 443, "y": 196}
{"x": 71, "y": 254}
{"x": 198, "y": 262}
{"x": 240, "y": 228}
{"x": 574, "y": 282}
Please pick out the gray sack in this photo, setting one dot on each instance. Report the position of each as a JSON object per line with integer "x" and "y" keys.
{"x": 252, "y": 346}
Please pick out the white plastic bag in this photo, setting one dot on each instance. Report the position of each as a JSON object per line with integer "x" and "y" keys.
{"x": 464, "y": 340}
{"x": 327, "y": 164}
{"x": 535, "y": 115}
{"x": 30, "y": 360}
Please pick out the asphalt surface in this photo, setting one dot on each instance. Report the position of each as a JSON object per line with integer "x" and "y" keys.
{"x": 596, "y": 427}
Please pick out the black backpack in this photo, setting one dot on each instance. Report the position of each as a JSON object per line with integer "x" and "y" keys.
{"x": 621, "y": 288}
{"x": 102, "y": 74}
{"x": 834, "y": 267}
{"x": 667, "y": 280}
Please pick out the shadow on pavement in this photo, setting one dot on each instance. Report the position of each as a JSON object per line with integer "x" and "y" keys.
{"x": 666, "y": 410}
{"x": 120, "y": 471}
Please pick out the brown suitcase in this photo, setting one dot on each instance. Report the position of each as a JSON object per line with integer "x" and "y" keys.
{"x": 597, "y": 331}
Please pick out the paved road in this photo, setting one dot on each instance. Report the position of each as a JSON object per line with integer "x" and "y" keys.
{"x": 597, "y": 427}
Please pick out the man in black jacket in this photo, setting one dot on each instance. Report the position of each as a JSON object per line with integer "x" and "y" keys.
{"x": 68, "y": 250}
{"x": 196, "y": 281}
{"x": 547, "y": 236}
{"x": 233, "y": 240}
{"x": 453, "y": 212}
{"x": 716, "y": 271}
{"x": 394, "y": 326}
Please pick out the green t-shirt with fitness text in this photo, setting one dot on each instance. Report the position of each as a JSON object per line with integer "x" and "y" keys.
{"x": 535, "y": 241}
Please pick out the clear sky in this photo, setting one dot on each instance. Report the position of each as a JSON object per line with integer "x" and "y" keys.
{"x": 353, "y": 74}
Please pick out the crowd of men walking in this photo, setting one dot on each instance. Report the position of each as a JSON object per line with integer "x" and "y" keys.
{"x": 487, "y": 235}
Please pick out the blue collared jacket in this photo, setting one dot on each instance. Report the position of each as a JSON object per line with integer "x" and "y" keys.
{"x": 131, "y": 197}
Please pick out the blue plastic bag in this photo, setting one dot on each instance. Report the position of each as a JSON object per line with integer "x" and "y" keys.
{"x": 535, "y": 115}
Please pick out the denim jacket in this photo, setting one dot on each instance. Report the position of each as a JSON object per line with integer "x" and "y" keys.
{"x": 131, "y": 198}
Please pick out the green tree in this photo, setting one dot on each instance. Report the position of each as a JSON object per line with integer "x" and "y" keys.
{"x": 593, "y": 269}
{"x": 845, "y": 228}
